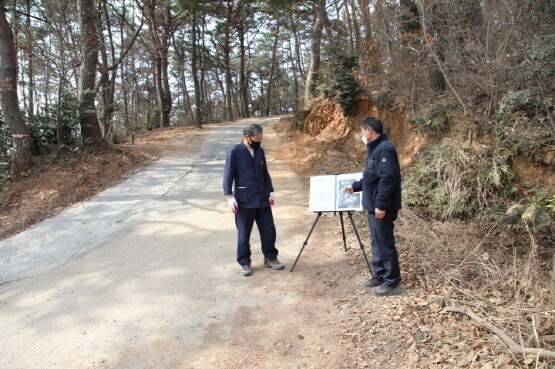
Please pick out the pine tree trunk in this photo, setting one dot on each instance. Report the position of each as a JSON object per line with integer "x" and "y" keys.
{"x": 366, "y": 18}
{"x": 356, "y": 27}
{"x": 159, "y": 88}
{"x": 243, "y": 78}
{"x": 160, "y": 59}
{"x": 227, "y": 62}
{"x": 269, "y": 91}
{"x": 164, "y": 58}
{"x": 167, "y": 109}
{"x": 63, "y": 131}
{"x": 194, "y": 72}
{"x": 107, "y": 77}
{"x": 314, "y": 68}
{"x": 30, "y": 67}
{"x": 90, "y": 128}
{"x": 295, "y": 101}
{"x": 298, "y": 53}
{"x": 187, "y": 98}
{"x": 228, "y": 80}
{"x": 21, "y": 156}
{"x": 347, "y": 18}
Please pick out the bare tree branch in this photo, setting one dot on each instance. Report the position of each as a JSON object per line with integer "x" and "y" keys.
{"x": 513, "y": 346}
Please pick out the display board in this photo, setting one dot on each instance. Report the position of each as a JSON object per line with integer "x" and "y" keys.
{"x": 326, "y": 193}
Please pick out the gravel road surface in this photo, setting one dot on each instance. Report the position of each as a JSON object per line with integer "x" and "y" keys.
{"x": 144, "y": 274}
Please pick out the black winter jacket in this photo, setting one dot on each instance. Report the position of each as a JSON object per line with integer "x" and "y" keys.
{"x": 381, "y": 181}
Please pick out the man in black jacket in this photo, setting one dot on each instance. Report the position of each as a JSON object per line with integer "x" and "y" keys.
{"x": 381, "y": 196}
{"x": 249, "y": 191}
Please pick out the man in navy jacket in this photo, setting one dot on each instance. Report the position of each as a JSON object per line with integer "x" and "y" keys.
{"x": 249, "y": 191}
{"x": 381, "y": 196}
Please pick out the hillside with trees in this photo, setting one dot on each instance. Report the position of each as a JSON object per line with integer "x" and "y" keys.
{"x": 465, "y": 87}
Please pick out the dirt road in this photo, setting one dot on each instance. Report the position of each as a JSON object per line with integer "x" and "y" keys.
{"x": 143, "y": 276}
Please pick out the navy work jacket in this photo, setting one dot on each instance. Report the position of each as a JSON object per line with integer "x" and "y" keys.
{"x": 247, "y": 178}
{"x": 381, "y": 180}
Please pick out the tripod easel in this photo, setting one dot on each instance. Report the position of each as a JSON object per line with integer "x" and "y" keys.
{"x": 350, "y": 214}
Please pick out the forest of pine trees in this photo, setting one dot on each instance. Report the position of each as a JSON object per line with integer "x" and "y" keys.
{"x": 91, "y": 72}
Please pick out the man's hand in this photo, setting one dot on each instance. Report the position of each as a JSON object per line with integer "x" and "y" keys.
{"x": 348, "y": 189}
{"x": 232, "y": 204}
{"x": 380, "y": 214}
{"x": 272, "y": 198}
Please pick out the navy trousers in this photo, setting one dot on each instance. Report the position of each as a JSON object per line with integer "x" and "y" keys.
{"x": 244, "y": 220}
{"x": 385, "y": 260}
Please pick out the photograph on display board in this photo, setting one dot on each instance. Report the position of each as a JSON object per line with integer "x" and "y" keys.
{"x": 345, "y": 200}
{"x": 327, "y": 193}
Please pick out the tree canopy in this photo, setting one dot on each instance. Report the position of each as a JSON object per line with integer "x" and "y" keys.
{"x": 132, "y": 65}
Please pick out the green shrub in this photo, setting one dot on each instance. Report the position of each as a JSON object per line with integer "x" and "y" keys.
{"x": 346, "y": 84}
{"x": 154, "y": 118}
{"x": 551, "y": 205}
{"x": 434, "y": 124}
{"x": 5, "y": 146}
{"x": 300, "y": 117}
{"x": 537, "y": 218}
{"x": 518, "y": 101}
{"x": 523, "y": 126}
{"x": 542, "y": 59}
{"x": 117, "y": 139}
{"x": 43, "y": 130}
{"x": 69, "y": 120}
{"x": 44, "y": 127}
{"x": 451, "y": 180}
{"x": 348, "y": 88}
{"x": 540, "y": 208}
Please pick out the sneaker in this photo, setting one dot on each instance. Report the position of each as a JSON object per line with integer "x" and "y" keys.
{"x": 274, "y": 264}
{"x": 385, "y": 290}
{"x": 247, "y": 270}
{"x": 373, "y": 282}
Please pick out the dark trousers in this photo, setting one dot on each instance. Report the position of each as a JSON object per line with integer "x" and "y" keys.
{"x": 385, "y": 260}
{"x": 244, "y": 219}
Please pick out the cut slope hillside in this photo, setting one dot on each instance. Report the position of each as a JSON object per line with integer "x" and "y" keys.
{"x": 327, "y": 124}
{"x": 497, "y": 265}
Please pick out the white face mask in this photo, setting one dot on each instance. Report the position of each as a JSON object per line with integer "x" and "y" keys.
{"x": 364, "y": 139}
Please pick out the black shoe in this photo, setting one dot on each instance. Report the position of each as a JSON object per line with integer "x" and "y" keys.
{"x": 374, "y": 282}
{"x": 385, "y": 290}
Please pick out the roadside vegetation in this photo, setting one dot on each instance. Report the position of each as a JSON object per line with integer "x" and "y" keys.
{"x": 472, "y": 117}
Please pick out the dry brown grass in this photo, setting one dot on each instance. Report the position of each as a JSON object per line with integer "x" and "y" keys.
{"x": 493, "y": 266}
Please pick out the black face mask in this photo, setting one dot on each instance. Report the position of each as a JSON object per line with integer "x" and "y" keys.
{"x": 254, "y": 144}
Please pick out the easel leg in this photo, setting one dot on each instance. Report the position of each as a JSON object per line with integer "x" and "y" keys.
{"x": 359, "y": 241}
{"x": 306, "y": 241}
{"x": 343, "y": 231}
